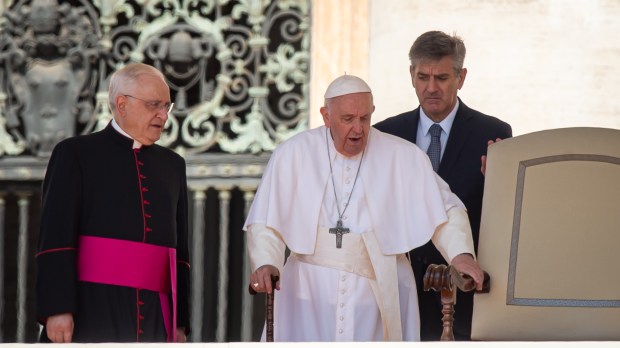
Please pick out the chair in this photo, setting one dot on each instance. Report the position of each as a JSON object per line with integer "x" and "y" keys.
{"x": 549, "y": 235}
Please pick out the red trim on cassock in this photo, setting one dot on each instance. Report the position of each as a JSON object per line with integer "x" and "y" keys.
{"x": 185, "y": 263}
{"x": 141, "y": 190}
{"x": 138, "y": 303}
{"x": 53, "y": 251}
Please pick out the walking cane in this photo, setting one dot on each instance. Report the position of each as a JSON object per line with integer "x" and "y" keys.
{"x": 268, "y": 307}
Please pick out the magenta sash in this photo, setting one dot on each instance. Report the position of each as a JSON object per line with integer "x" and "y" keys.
{"x": 132, "y": 264}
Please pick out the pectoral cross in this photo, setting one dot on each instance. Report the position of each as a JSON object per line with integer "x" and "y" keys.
{"x": 339, "y": 230}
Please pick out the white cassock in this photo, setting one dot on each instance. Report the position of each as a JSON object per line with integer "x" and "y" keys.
{"x": 364, "y": 291}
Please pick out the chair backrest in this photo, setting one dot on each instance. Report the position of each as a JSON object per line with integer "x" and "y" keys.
{"x": 550, "y": 237}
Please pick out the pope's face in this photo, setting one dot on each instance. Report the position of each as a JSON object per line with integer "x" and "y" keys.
{"x": 348, "y": 119}
{"x": 436, "y": 85}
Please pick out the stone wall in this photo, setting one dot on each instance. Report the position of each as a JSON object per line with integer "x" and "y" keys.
{"x": 536, "y": 64}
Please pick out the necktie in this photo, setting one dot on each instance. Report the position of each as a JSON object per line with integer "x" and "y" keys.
{"x": 434, "y": 150}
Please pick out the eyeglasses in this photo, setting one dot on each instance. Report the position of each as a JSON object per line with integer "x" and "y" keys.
{"x": 154, "y": 105}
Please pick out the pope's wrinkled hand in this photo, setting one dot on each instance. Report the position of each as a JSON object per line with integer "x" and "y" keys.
{"x": 260, "y": 280}
{"x": 465, "y": 264}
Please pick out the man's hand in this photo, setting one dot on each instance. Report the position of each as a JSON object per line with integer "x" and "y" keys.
{"x": 260, "y": 280}
{"x": 465, "y": 264}
{"x": 483, "y": 159}
{"x": 181, "y": 337}
{"x": 60, "y": 328}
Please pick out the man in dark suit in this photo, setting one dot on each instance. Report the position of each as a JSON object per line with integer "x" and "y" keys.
{"x": 437, "y": 74}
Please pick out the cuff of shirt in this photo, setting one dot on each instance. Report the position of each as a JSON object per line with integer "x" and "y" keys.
{"x": 454, "y": 237}
{"x": 265, "y": 247}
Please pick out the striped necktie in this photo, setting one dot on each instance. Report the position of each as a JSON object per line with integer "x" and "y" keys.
{"x": 434, "y": 150}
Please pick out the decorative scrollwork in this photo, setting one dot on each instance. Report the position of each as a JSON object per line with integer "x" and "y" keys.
{"x": 238, "y": 70}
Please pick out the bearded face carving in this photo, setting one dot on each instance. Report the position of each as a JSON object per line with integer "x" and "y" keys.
{"x": 49, "y": 94}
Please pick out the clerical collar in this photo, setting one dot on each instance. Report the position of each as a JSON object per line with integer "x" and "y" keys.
{"x": 446, "y": 124}
{"x": 136, "y": 144}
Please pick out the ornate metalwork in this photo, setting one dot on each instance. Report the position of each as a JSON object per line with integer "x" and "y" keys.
{"x": 238, "y": 70}
{"x": 46, "y": 51}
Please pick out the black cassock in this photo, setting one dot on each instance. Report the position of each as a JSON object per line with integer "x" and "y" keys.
{"x": 97, "y": 185}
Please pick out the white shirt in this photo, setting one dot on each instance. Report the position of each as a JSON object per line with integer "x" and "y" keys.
{"x": 423, "y": 137}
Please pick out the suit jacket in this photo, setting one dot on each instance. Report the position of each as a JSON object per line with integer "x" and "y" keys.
{"x": 460, "y": 168}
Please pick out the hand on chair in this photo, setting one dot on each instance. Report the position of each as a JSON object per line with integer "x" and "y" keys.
{"x": 465, "y": 264}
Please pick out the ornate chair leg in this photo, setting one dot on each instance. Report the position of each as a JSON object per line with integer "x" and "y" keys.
{"x": 448, "y": 299}
{"x": 447, "y": 280}
{"x": 437, "y": 278}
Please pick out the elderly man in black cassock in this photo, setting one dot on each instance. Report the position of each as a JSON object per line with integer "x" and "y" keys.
{"x": 112, "y": 261}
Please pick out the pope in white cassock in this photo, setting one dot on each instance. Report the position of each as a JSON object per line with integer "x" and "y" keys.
{"x": 349, "y": 202}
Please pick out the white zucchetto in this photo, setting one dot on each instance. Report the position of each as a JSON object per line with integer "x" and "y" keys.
{"x": 346, "y": 84}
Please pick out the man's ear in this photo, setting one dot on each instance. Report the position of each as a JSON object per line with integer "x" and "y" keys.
{"x": 121, "y": 102}
{"x": 462, "y": 75}
{"x": 325, "y": 114}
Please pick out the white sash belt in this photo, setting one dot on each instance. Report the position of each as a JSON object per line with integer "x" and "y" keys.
{"x": 352, "y": 257}
{"x": 360, "y": 254}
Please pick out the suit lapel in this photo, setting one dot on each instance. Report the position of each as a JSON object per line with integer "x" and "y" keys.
{"x": 460, "y": 131}
{"x": 411, "y": 130}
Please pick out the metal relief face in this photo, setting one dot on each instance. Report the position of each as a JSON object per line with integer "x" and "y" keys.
{"x": 49, "y": 93}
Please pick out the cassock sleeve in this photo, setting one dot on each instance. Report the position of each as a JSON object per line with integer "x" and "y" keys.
{"x": 454, "y": 237}
{"x": 265, "y": 247}
{"x": 56, "y": 279}
{"x": 183, "y": 265}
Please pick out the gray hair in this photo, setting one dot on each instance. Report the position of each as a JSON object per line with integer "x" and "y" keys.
{"x": 434, "y": 45}
{"x": 128, "y": 76}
